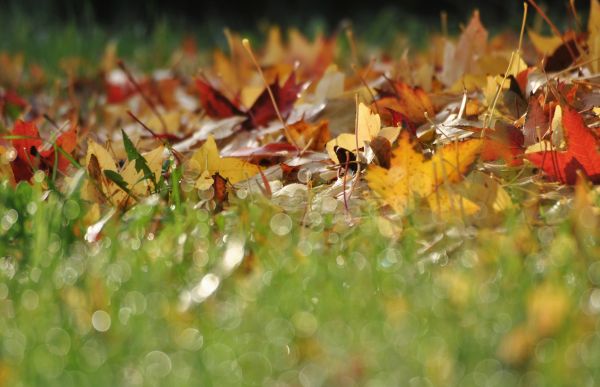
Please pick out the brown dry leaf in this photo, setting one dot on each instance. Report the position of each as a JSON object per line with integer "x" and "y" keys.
{"x": 312, "y": 135}
{"x": 411, "y": 176}
{"x": 461, "y": 59}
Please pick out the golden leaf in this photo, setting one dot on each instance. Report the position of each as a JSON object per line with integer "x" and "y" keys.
{"x": 98, "y": 160}
{"x": 5, "y": 169}
{"x": 369, "y": 127}
{"x": 545, "y": 45}
{"x": 207, "y": 159}
{"x": 411, "y": 176}
{"x": 303, "y": 134}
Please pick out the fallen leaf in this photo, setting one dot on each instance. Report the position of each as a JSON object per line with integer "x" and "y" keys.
{"x": 412, "y": 103}
{"x": 461, "y": 59}
{"x": 308, "y": 135}
{"x": 545, "y": 45}
{"x": 33, "y": 153}
{"x": 215, "y": 103}
{"x": 411, "y": 176}
{"x": 98, "y": 160}
{"x": 207, "y": 161}
{"x": 581, "y": 153}
{"x": 368, "y": 128}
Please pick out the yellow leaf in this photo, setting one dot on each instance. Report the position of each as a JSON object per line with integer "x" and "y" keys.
{"x": 133, "y": 178}
{"x": 172, "y": 120}
{"x": 314, "y": 136}
{"x": 5, "y": 169}
{"x": 447, "y": 205}
{"x": 105, "y": 160}
{"x": 205, "y": 181}
{"x": 207, "y": 159}
{"x": 545, "y": 45}
{"x": 369, "y": 127}
{"x": 274, "y": 51}
{"x": 412, "y": 176}
{"x": 487, "y": 192}
{"x": 542, "y": 146}
{"x": 135, "y": 183}
{"x": 250, "y": 94}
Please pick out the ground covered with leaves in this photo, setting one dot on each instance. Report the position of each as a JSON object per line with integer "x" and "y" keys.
{"x": 306, "y": 211}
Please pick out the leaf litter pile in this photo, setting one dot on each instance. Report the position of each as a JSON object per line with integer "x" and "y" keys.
{"x": 437, "y": 148}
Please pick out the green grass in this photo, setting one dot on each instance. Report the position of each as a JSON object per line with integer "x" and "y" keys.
{"x": 315, "y": 306}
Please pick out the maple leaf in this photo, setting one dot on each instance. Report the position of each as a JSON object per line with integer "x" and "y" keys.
{"x": 116, "y": 185}
{"x": 32, "y": 154}
{"x": 368, "y": 128}
{"x": 411, "y": 176}
{"x": 581, "y": 154}
{"x": 262, "y": 111}
{"x": 314, "y": 136}
{"x": 504, "y": 142}
{"x": 207, "y": 162}
{"x": 412, "y": 103}
{"x": 461, "y": 59}
{"x": 215, "y": 103}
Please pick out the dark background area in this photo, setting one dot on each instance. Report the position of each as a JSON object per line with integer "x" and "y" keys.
{"x": 247, "y": 14}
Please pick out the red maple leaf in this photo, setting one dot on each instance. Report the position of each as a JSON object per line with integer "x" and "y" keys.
{"x": 581, "y": 154}
{"x": 215, "y": 103}
{"x": 31, "y": 153}
{"x": 505, "y": 142}
{"x": 262, "y": 110}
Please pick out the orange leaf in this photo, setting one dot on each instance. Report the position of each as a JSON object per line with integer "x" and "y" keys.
{"x": 581, "y": 154}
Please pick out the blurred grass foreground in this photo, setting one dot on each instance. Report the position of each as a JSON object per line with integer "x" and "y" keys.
{"x": 177, "y": 295}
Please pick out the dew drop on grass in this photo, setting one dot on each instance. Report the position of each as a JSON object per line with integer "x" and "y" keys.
{"x": 304, "y": 175}
{"x": 30, "y": 299}
{"x": 207, "y": 286}
{"x": 101, "y": 321}
{"x": 314, "y": 218}
{"x": 206, "y": 194}
{"x": 10, "y": 217}
{"x": 31, "y": 208}
{"x": 157, "y": 364}
{"x": 187, "y": 185}
{"x": 594, "y": 301}
{"x": 329, "y": 204}
{"x": 305, "y": 323}
{"x": 594, "y": 273}
{"x": 234, "y": 253}
{"x": 190, "y": 339}
{"x": 242, "y": 193}
{"x": 281, "y": 224}
{"x": 10, "y": 155}
{"x": 71, "y": 209}
{"x": 305, "y": 247}
{"x": 58, "y": 341}
{"x": 39, "y": 176}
